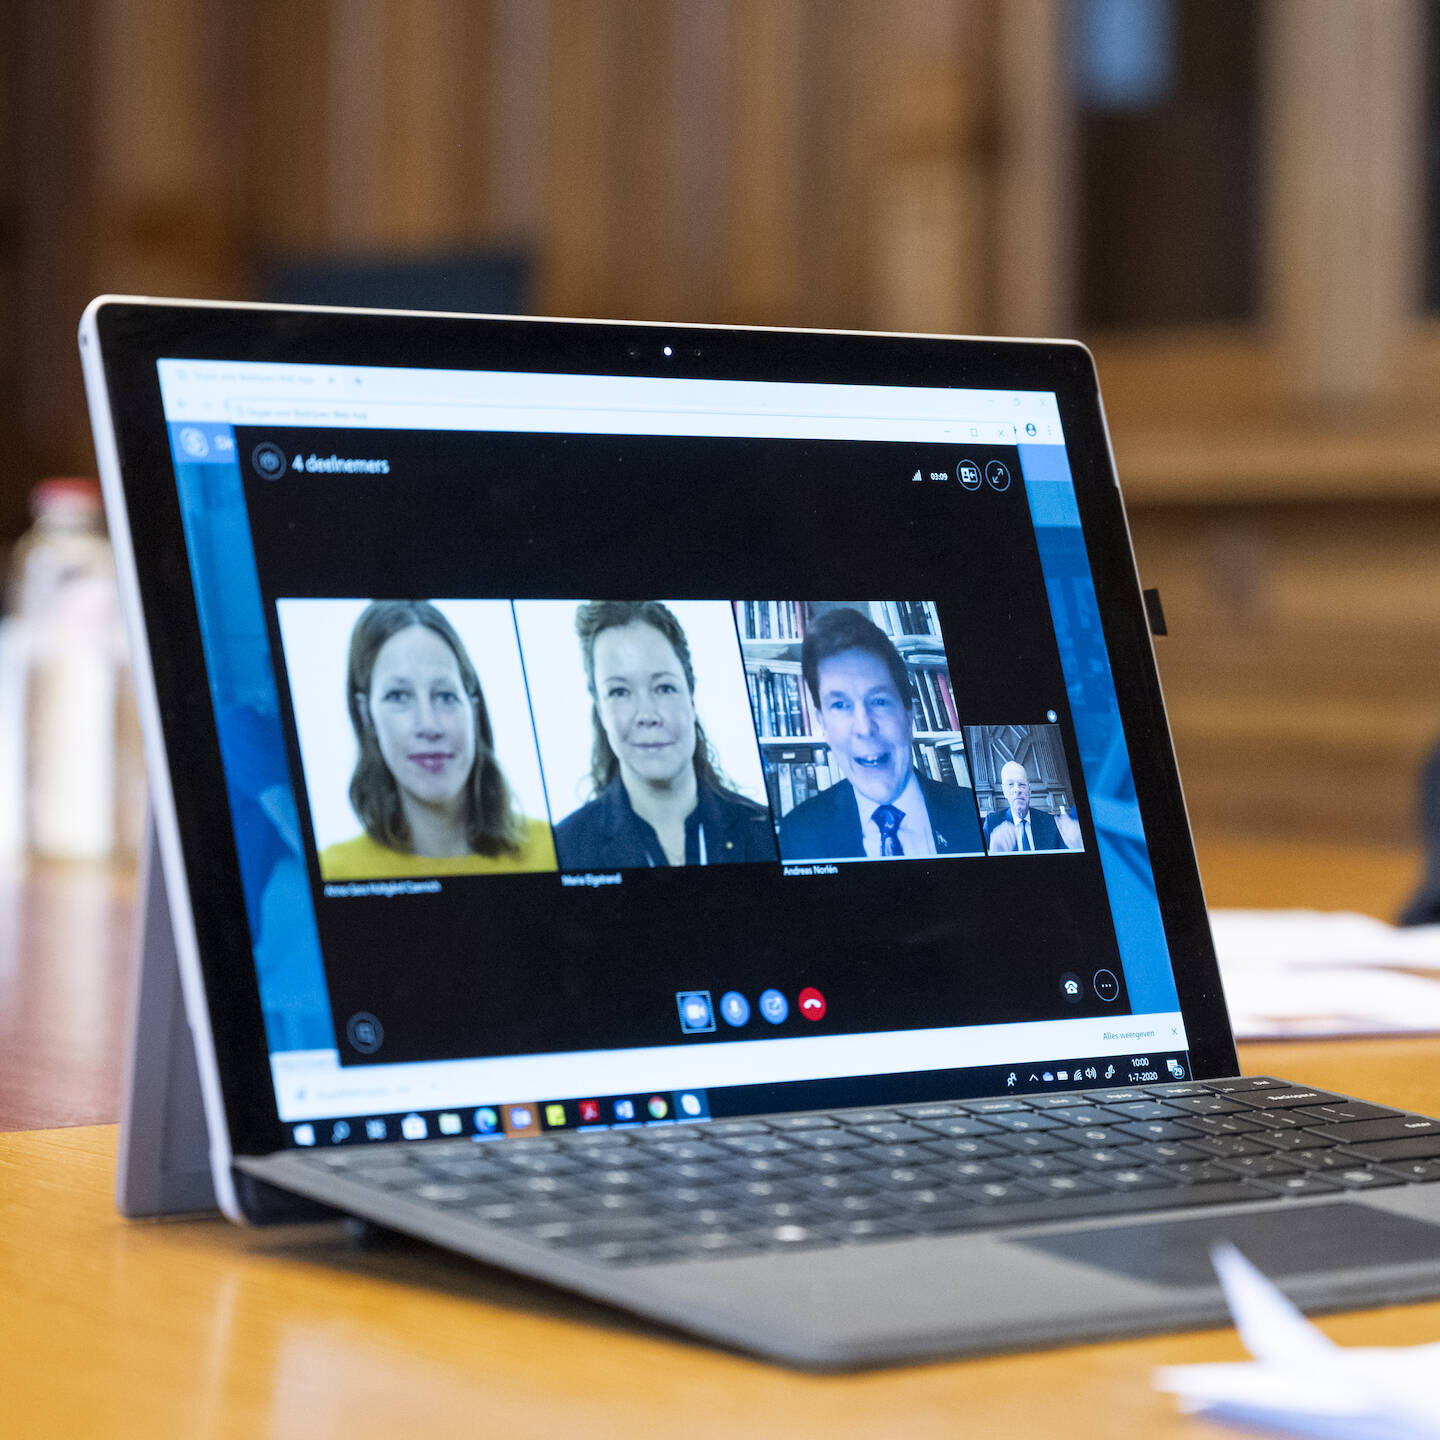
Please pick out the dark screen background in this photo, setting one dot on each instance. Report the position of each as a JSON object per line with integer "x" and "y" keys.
{"x": 516, "y": 964}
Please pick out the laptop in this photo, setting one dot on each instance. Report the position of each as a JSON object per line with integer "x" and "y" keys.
{"x": 557, "y": 867}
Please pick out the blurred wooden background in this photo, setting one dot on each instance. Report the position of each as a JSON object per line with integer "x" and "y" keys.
{"x": 1232, "y": 201}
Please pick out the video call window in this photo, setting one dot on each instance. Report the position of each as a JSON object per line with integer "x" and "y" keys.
{"x": 860, "y": 727}
{"x": 415, "y": 738}
{"x": 645, "y": 733}
{"x": 1023, "y": 785}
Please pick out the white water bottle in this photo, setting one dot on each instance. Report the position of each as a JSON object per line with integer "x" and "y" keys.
{"x": 66, "y": 614}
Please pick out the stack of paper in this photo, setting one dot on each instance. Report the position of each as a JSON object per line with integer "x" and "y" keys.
{"x": 1311, "y": 972}
{"x": 1300, "y": 1383}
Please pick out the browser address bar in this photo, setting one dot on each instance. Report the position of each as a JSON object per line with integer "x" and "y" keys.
{"x": 371, "y": 414}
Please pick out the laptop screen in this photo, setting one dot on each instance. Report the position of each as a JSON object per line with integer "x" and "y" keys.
{"x": 558, "y": 805}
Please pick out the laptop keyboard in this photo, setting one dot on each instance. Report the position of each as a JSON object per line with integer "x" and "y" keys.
{"x": 788, "y": 1182}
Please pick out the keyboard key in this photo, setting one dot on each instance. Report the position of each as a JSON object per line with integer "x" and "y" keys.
{"x": 929, "y": 1112}
{"x": 769, "y": 1165}
{"x": 777, "y": 1211}
{"x": 1292, "y": 1139}
{"x": 994, "y": 1107}
{"x": 1146, "y": 1110}
{"x": 675, "y": 1150}
{"x": 1331, "y": 1158}
{"x": 872, "y": 1228}
{"x": 1089, "y": 1136}
{"x": 1208, "y": 1105}
{"x": 901, "y": 1176}
{"x": 1090, "y": 1115}
{"x": 827, "y": 1139}
{"x": 852, "y": 1182}
{"x": 867, "y": 1117}
{"x": 1134, "y": 1179}
{"x": 697, "y": 1172}
{"x": 1347, "y": 1110}
{"x": 897, "y": 1133}
{"x": 1065, "y": 1184}
{"x": 756, "y": 1144}
{"x": 894, "y": 1154}
{"x": 1276, "y": 1119}
{"x": 790, "y": 1237}
{"x": 1223, "y": 1146}
{"x": 1027, "y": 1120}
{"x": 872, "y": 1202}
{"x": 1364, "y": 1178}
{"x": 1260, "y": 1165}
{"x": 930, "y": 1199}
{"x": 1415, "y": 1170}
{"x": 830, "y": 1162}
{"x": 788, "y": 1123}
{"x": 617, "y": 1179}
{"x": 1157, "y": 1130}
{"x": 1417, "y": 1147}
{"x": 1308, "y": 1182}
{"x": 1028, "y": 1143}
{"x": 559, "y": 1164}
{"x": 1224, "y": 1124}
{"x": 1104, "y": 1158}
{"x": 997, "y": 1192}
{"x": 549, "y": 1185}
{"x": 1290, "y": 1096}
{"x": 976, "y": 1172}
{"x": 1167, "y": 1152}
{"x": 1241, "y": 1084}
{"x": 1036, "y": 1165}
{"x": 782, "y": 1188}
{"x": 970, "y": 1149}
{"x": 1360, "y": 1132}
{"x": 1196, "y": 1172}
{"x": 961, "y": 1125}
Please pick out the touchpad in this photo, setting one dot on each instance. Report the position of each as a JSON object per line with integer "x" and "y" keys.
{"x": 1303, "y": 1240}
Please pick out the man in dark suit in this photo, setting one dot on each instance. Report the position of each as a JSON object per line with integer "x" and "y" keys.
{"x": 883, "y": 808}
{"x": 1019, "y": 829}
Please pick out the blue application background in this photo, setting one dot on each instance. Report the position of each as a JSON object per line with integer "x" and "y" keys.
{"x": 1095, "y": 710}
{"x": 278, "y": 901}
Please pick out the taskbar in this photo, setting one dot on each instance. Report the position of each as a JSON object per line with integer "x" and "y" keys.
{"x": 528, "y": 1119}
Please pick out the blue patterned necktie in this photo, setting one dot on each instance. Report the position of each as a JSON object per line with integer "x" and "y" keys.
{"x": 887, "y": 818}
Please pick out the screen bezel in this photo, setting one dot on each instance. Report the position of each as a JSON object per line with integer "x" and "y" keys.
{"x": 134, "y": 335}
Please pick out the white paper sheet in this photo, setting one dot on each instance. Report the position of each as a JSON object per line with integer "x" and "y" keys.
{"x": 1309, "y": 972}
{"x": 1300, "y": 1383}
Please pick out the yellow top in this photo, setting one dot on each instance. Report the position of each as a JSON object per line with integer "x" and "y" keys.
{"x": 365, "y": 859}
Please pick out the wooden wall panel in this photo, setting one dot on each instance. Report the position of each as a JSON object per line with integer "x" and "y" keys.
{"x": 1301, "y": 670}
{"x": 765, "y": 246}
{"x": 517, "y": 62}
{"x": 904, "y": 164}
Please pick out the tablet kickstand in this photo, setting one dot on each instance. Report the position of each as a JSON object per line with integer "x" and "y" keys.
{"x": 163, "y": 1166}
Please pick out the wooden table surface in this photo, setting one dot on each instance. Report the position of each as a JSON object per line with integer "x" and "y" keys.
{"x": 197, "y": 1328}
